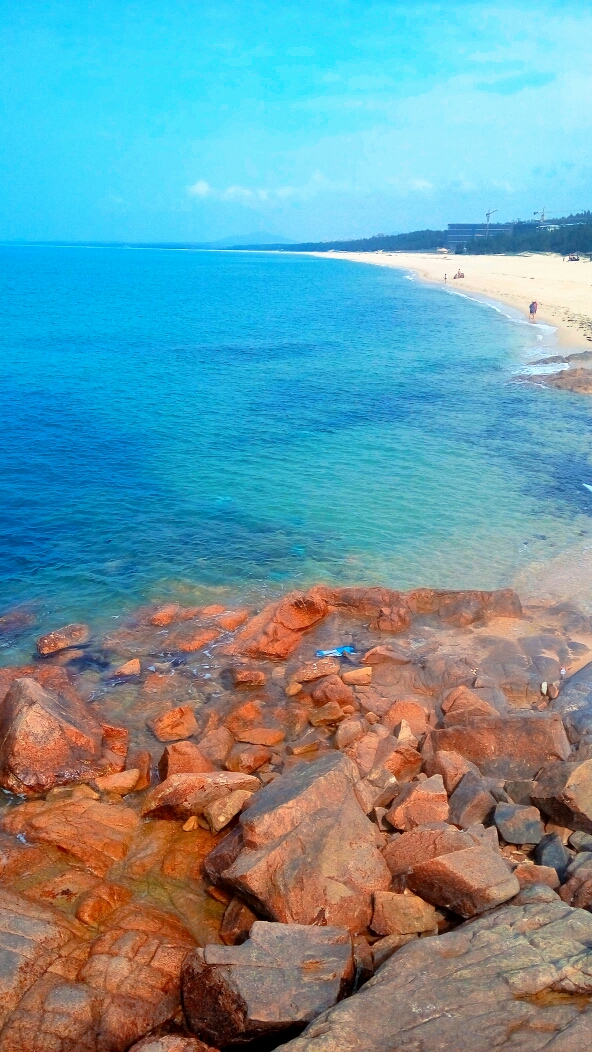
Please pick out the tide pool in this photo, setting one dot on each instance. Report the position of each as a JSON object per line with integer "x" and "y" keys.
{"x": 199, "y": 422}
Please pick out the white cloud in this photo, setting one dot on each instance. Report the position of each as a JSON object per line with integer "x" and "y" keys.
{"x": 317, "y": 183}
{"x": 421, "y": 184}
{"x": 200, "y": 189}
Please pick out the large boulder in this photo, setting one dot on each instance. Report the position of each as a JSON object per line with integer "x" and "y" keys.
{"x": 563, "y": 791}
{"x": 46, "y": 739}
{"x": 512, "y": 746}
{"x": 574, "y": 704}
{"x": 65, "y": 990}
{"x": 513, "y": 979}
{"x": 467, "y": 882}
{"x": 284, "y": 976}
{"x": 277, "y": 631}
{"x": 310, "y": 854}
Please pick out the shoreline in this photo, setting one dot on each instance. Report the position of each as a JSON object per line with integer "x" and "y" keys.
{"x": 565, "y": 296}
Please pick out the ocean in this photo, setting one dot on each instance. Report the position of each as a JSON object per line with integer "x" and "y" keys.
{"x": 221, "y": 424}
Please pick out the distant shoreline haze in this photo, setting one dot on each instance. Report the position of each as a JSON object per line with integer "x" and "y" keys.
{"x": 565, "y": 235}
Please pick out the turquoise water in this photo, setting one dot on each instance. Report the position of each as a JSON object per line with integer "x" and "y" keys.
{"x": 202, "y": 422}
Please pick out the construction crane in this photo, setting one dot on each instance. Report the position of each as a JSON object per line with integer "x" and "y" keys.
{"x": 488, "y": 216}
{"x": 541, "y": 214}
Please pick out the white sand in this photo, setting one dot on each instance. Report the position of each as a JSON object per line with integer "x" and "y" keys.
{"x": 563, "y": 290}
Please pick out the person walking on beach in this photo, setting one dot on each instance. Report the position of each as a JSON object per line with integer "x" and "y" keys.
{"x": 533, "y": 309}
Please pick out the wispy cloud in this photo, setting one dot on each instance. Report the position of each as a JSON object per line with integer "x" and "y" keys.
{"x": 317, "y": 183}
{"x": 510, "y": 85}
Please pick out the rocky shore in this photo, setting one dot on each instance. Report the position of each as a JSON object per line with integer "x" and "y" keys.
{"x": 355, "y": 819}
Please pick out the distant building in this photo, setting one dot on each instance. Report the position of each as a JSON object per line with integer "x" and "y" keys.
{"x": 460, "y": 233}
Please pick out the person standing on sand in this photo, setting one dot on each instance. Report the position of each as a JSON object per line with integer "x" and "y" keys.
{"x": 533, "y": 309}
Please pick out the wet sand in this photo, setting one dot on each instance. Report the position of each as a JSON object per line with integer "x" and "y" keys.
{"x": 562, "y": 290}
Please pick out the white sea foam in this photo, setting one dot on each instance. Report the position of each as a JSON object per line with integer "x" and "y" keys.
{"x": 541, "y": 370}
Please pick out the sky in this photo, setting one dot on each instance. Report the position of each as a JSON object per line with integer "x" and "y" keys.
{"x": 192, "y": 120}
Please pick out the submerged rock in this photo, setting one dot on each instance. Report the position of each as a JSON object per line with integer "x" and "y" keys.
{"x": 280, "y": 979}
{"x": 62, "y": 638}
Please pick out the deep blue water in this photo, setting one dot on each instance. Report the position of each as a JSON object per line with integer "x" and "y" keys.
{"x": 195, "y": 422}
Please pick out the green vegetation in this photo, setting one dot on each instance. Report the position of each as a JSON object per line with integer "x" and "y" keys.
{"x": 567, "y": 240}
{"x": 416, "y": 241}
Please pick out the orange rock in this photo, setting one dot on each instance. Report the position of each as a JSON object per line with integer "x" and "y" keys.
{"x": 332, "y": 880}
{"x": 174, "y": 724}
{"x": 100, "y": 901}
{"x": 232, "y": 619}
{"x": 165, "y": 615}
{"x": 221, "y": 811}
{"x": 276, "y": 632}
{"x": 422, "y": 844}
{"x": 419, "y": 803}
{"x": 61, "y": 638}
{"x": 96, "y": 834}
{"x": 358, "y": 677}
{"x": 467, "y": 882}
{"x": 512, "y": 746}
{"x": 46, "y": 739}
{"x": 316, "y": 670}
{"x": 121, "y": 783}
{"x": 262, "y": 735}
{"x": 333, "y": 689}
{"x": 49, "y": 676}
{"x": 171, "y": 612}
{"x": 403, "y": 761}
{"x": 248, "y": 758}
{"x": 171, "y": 1043}
{"x": 527, "y": 874}
{"x": 452, "y": 766}
{"x": 189, "y": 794}
{"x": 189, "y": 640}
{"x": 141, "y": 760}
{"x": 216, "y": 745}
{"x": 115, "y": 746}
{"x": 157, "y": 683}
{"x": 130, "y": 668}
{"x": 212, "y": 611}
{"x": 408, "y": 710}
{"x": 396, "y": 914}
{"x": 241, "y": 717}
{"x": 248, "y": 677}
{"x": 464, "y": 706}
{"x": 183, "y": 758}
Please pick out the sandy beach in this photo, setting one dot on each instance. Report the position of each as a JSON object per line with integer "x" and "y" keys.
{"x": 563, "y": 290}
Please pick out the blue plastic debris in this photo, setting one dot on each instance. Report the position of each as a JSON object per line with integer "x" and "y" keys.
{"x": 336, "y": 652}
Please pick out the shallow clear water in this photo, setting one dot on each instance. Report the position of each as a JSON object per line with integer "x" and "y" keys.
{"x": 250, "y": 421}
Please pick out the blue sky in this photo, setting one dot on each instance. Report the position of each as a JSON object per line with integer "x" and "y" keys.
{"x": 193, "y": 120}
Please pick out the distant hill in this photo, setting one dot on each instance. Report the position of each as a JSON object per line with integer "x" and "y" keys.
{"x": 260, "y": 237}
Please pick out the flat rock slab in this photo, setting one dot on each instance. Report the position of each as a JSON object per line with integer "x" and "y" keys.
{"x": 281, "y": 978}
{"x": 63, "y": 990}
{"x": 512, "y": 746}
{"x": 494, "y": 983}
